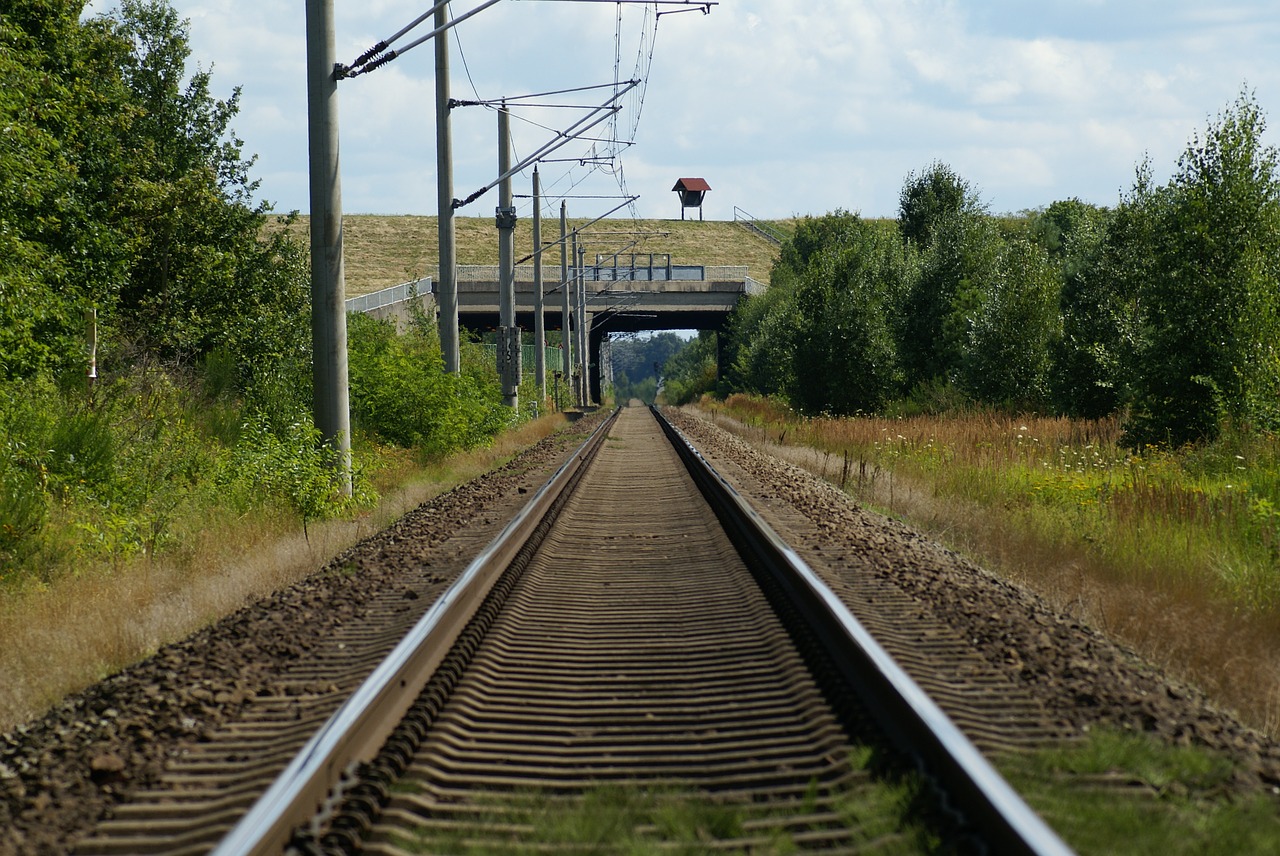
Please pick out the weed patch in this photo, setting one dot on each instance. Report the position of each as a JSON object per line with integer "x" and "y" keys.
{"x": 1119, "y": 793}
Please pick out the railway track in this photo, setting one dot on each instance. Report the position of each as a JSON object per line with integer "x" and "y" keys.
{"x": 613, "y": 657}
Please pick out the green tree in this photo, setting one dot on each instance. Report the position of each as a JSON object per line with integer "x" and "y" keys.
{"x": 1208, "y": 353}
{"x": 63, "y": 111}
{"x": 760, "y": 342}
{"x": 199, "y": 266}
{"x": 641, "y": 358}
{"x": 762, "y": 335}
{"x": 953, "y": 277}
{"x": 1106, "y": 262}
{"x": 845, "y": 355}
{"x": 930, "y": 197}
{"x": 692, "y": 371}
{"x": 1063, "y": 224}
{"x": 1007, "y": 354}
{"x": 761, "y": 339}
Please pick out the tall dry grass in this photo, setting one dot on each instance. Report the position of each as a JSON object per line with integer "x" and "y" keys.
{"x": 1175, "y": 554}
{"x": 58, "y": 638}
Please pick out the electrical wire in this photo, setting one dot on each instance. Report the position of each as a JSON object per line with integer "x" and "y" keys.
{"x": 604, "y": 152}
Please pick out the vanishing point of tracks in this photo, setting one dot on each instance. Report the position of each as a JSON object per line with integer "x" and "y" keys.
{"x": 618, "y": 655}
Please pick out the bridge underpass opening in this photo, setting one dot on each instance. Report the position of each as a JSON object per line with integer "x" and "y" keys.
{"x": 635, "y": 364}
{"x": 613, "y": 307}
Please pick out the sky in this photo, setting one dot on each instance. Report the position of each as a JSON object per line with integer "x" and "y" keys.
{"x": 785, "y": 107}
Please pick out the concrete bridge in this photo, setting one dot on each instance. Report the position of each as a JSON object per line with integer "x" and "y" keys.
{"x": 618, "y": 300}
{"x": 696, "y": 298}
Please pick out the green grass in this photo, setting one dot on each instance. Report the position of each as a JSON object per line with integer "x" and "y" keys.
{"x": 1209, "y": 517}
{"x": 616, "y": 819}
{"x": 1124, "y": 793}
{"x": 1110, "y": 793}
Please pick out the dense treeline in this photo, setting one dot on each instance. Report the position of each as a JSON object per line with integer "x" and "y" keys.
{"x": 1165, "y": 307}
{"x": 125, "y": 193}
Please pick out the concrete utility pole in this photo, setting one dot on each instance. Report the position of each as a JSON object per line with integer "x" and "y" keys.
{"x": 566, "y": 339}
{"x": 447, "y": 281}
{"x": 578, "y": 400}
{"x": 584, "y": 360}
{"x": 539, "y": 322}
{"x": 328, "y": 307}
{"x": 505, "y": 219}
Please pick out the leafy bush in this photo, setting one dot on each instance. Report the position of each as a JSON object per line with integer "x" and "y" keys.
{"x": 401, "y": 394}
{"x": 293, "y": 468}
{"x": 24, "y": 509}
{"x": 87, "y": 480}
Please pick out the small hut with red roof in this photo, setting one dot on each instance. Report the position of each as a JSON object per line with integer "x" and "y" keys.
{"x": 692, "y": 191}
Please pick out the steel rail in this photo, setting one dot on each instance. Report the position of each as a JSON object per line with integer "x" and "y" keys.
{"x": 358, "y": 729}
{"x": 907, "y": 715}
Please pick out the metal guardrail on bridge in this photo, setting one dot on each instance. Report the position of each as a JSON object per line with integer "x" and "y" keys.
{"x": 598, "y": 273}
{"x": 551, "y": 276}
{"x": 388, "y": 296}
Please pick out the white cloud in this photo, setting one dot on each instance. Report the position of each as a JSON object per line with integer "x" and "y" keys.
{"x": 785, "y": 106}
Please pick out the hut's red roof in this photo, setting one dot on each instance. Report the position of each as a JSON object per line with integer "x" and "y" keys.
{"x": 692, "y": 184}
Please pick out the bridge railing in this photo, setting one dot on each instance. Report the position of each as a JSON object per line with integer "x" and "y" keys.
{"x": 742, "y": 218}
{"x": 551, "y": 273}
{"x": 387, "y": 296}
{"x": 551, "y": 277}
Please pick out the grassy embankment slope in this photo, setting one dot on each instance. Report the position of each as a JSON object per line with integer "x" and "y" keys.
{"x": 384, "y": 250}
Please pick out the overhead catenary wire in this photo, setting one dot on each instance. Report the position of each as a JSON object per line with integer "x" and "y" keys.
{"x": 592, "y": 159}
{"x": 604, "y": 152}
{"x": 559, "y": 242}
{"x": 563, "y": 138}
{"x": 374, "y": 57}
{"x": 582, "y": 138}
{"x": 491, "y": 102}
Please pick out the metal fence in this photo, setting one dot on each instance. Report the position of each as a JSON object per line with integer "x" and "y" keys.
{"x": 764, "y": 230}
{"x": 387, "y": 296}
{"x": 600, "y": 273}
{"x": 528, "y": 353}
